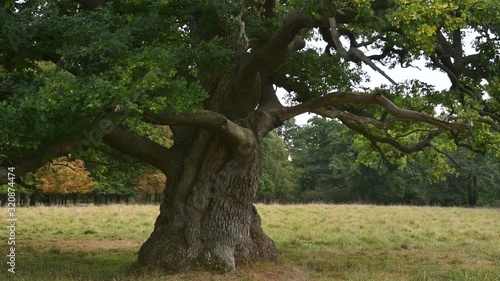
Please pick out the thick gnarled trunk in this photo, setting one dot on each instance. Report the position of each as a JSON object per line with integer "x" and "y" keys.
{"x": 207, "y": 218}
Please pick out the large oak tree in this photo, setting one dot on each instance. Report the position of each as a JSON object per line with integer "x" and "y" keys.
{"x": 79, "y": 73}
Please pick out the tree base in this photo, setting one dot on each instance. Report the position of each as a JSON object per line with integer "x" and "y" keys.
{"x": 173, "y": 248}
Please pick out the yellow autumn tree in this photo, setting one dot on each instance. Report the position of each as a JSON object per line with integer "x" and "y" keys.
{"x": 63, "y": 176}
{"x": 152, "y": 182}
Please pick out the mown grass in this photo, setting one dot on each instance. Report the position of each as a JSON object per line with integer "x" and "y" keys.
{"x": 316, "y": 242}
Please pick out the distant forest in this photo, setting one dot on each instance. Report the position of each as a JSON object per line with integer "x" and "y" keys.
{"x": 321, "y": 161}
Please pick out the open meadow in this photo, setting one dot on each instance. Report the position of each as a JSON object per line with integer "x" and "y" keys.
{"x": 316, "y": 242}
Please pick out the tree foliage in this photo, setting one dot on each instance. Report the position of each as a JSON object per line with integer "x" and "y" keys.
{"x": 152, "y": 182}
{"x": 63, "y": 68}
{"x": 63, "y": 176}
{"x": 74, "y": 70}
{"x": 279, "y": 176}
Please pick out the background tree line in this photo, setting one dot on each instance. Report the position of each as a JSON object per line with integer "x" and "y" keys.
{"x": 66, "y": 181}
{"x": 326, "y": 162}
{"x": 321, "y": 161}
{"x": 105, "y": 177}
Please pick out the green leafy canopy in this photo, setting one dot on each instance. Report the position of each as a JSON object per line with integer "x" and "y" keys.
{"x": 68, "y": 69}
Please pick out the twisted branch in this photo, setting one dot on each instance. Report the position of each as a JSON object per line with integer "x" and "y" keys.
{"x": 364, "y": 98}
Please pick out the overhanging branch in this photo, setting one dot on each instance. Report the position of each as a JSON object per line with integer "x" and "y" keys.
{"x": 426, "y": 142}
{"x": 445, "y": 154}
{"x": 490, "y": 113}
{"x": 495, "y": 126}
{"x": 356, "y": 123}
{"x": 142, "y": 148}
{"x": 365, "y": 98}
{"x": 55, "y": 149}
{"x": 335, "y": 113}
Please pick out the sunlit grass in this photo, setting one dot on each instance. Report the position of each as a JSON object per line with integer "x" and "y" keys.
{"x": 358, "y": 242}
{"x": 316, "y": 242}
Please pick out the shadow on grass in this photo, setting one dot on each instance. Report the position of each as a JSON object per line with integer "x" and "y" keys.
{"x": 60, "y": 263}
{"x": 55, "y": 264}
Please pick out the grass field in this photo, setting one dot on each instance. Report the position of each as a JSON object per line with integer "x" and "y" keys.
{"x": 316, "y": 242}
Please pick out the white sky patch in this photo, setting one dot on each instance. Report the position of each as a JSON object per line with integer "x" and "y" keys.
{"x": 419, "y": 72}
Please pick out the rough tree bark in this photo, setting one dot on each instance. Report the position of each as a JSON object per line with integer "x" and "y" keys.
{"x": 207, "y": 218}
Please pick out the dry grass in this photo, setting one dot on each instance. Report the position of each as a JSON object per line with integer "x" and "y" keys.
{"x": 316, "y": 242}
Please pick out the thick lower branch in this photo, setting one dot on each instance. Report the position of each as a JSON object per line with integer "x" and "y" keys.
{"x": 140, "y": 147}
{"x": 204, "y": 119}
